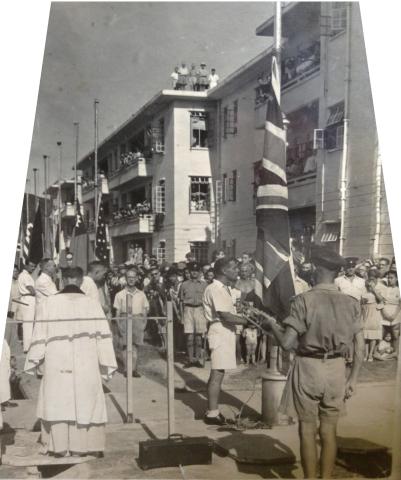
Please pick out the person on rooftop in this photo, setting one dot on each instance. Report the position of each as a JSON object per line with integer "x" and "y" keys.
{"x": 203, "y": 78}
{"x": 213, "y": 78}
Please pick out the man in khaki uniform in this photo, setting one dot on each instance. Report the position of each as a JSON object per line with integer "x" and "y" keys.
{"x": 322, "y": 325}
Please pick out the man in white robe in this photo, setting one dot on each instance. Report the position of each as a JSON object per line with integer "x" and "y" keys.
{"x": 73, "y": 357}
{"x": 26, "y": 307}
{"x": 44, "y": 284}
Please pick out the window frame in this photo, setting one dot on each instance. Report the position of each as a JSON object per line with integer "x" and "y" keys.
{"x": 338, "y": 18}
{"x": 205, "y": 116}
{"x": 206, "y": 181}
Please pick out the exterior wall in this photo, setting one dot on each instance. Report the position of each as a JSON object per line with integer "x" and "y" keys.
{"x": 187, "y": 162}
{"x": 240, "y": 152}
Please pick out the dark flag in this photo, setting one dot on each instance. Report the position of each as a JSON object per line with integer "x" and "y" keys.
{"x": 79, "y": 245}
{"x": 274, "y": 282}
{"x": 36, "y": 246}
{"x": 102, "y": 246}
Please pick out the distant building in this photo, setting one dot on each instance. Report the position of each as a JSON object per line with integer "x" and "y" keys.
{"x": 157, "y": 170}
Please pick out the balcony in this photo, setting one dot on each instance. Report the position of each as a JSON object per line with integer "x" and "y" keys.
{"x": 131, "y": 167}
{"x": 68, "y": 210}
{"x": 143, "y": 223}
{"x": 88, "y": 188}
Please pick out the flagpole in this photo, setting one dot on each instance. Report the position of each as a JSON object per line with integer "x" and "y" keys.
{"x": 45, "y": 157}
{"x": 60, "y": 145}
{"x": 27, "y": 202}
{"x": 76, "y": 161}
{"x": 35, "y": 171}
{"x": 96, "y": 103}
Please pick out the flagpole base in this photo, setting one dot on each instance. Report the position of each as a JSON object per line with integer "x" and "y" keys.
{"x": 273, "y": 383}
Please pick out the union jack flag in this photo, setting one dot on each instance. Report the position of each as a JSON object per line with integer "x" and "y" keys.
{"x": 274, "y": 282}
{"x": 102, "y": 244}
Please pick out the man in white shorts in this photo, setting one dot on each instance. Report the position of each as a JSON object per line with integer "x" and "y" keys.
{"x": 222, "y": 319}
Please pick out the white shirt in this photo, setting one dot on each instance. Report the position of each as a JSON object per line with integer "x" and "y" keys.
{"x": 25, "y": 280}
{"x": 138, "y": 301}
{"x": 352, "y": 286}
{"x": 217, "y": 298}
{"x": 90, "y": 289}
{"x": 44, "y": 286}
{"x": 213, "y": 80}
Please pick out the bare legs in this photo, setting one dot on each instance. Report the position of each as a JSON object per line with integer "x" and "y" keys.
{"x": 327, "y": 433}
{"x": 214, "y": 388}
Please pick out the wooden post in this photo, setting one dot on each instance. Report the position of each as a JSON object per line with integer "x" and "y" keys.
{"x": 130, "y": 409}
{"x": 170, "y": 369}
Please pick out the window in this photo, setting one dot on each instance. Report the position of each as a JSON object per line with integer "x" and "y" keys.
{"x": 230, "y": 120}
{"x": 160, "y": 252}
{"x": 219, "y": 192}
{"x": 232, "y": 187}
{"x": 338, "y": 17}
{"x": 199, "y": 133}
{"x": 330, "y": 233}
{"x": 200, "y": 250}
{"x": 224, "y": 188}
{"x": 199, "y": 195}
{"x": 158, "y": 137}
{"x": 160, "y": 197}
{"x": 334, "y": 132}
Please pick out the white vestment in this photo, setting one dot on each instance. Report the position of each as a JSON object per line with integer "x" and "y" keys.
{"x": 26, "y": 313}
{"x": 5, "y": 370}
{"x": 76, "y": 354}
{"x": 90, "y": 288}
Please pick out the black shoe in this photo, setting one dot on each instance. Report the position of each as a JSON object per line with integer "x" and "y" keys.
{"x": 199, "y": 364}
{"x": 9, "y": 404}
{"x": 189, "y": 365}
{"x": 220, "y": 420}
{"x": 136, "y": 374}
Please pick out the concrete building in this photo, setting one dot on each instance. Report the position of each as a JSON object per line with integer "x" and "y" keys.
{"x": 179, "y": 175}
{"x": 336, "y": 190}
{"x": 155, "y": 175}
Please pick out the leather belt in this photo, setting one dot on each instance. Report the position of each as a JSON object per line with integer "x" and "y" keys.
{"x": 321, "y": 356}
{"x": 192, "y": 306}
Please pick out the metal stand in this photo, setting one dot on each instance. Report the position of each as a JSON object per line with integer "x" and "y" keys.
{"x": 130, "y": 407}
{"x": 170, "y": 369}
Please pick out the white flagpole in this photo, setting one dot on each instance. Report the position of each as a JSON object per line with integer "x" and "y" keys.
{"x": 96, "y": 103}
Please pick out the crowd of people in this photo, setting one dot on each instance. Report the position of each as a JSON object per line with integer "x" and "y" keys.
{"x": 195, "y": 78}
{"x": 210, "y": 305}
{"x": 129, "y": 211}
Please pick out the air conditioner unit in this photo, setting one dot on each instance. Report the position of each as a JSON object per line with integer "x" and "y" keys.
{"x": 318, "y": 139}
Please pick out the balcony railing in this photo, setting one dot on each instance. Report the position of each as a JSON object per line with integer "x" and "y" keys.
{"x": 68, "y": 210}
{"x": 127, "y": 161}
{"x": 141, "y": 223}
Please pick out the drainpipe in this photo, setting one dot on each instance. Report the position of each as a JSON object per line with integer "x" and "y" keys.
{"x": 376, "y": 241}
{"x": 344, "y": 161}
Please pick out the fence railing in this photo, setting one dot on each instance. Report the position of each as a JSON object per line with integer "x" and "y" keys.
{"x": 129, "y": 318}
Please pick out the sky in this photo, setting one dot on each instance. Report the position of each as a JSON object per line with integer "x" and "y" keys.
{"x": 123, "y": 54}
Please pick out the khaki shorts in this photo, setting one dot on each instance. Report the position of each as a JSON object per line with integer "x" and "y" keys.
{"x": 222, "y": 347}
{"x": 194, "y": 320}
{"x": 315, "y": 389}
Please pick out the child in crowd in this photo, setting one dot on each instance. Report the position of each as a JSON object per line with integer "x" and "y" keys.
{"x": 371, "y": 317}
{"x": 391, "y": 313}
{"x": 250, "y": 334}
{"x": 384, "y": 350}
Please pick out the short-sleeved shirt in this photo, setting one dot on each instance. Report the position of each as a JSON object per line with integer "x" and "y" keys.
{"x": 217, "y": 298}
{"x": 352, "y": 286}
{"x": 325, "y": 319}
{"x": 139, "y": 302}
{"x": 25, "y": 280}
{"x": 191, "y": 292}
{"x": 44, "y": 286}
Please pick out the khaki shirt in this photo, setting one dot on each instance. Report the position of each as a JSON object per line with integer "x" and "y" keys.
{"x": 325, "y": 319}
{"x": 191, "y": 292}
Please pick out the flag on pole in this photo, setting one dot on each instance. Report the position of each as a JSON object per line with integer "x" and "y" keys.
{"x": 36, "y": 246}
{"x": 26, "y": 244}
{"x": 102, "y": 246}
{"x": 79, "y": 245}
{"x": 274, "y": 283}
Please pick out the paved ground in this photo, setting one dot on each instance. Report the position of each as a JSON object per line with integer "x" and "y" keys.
{"x": 369, "y": 421}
